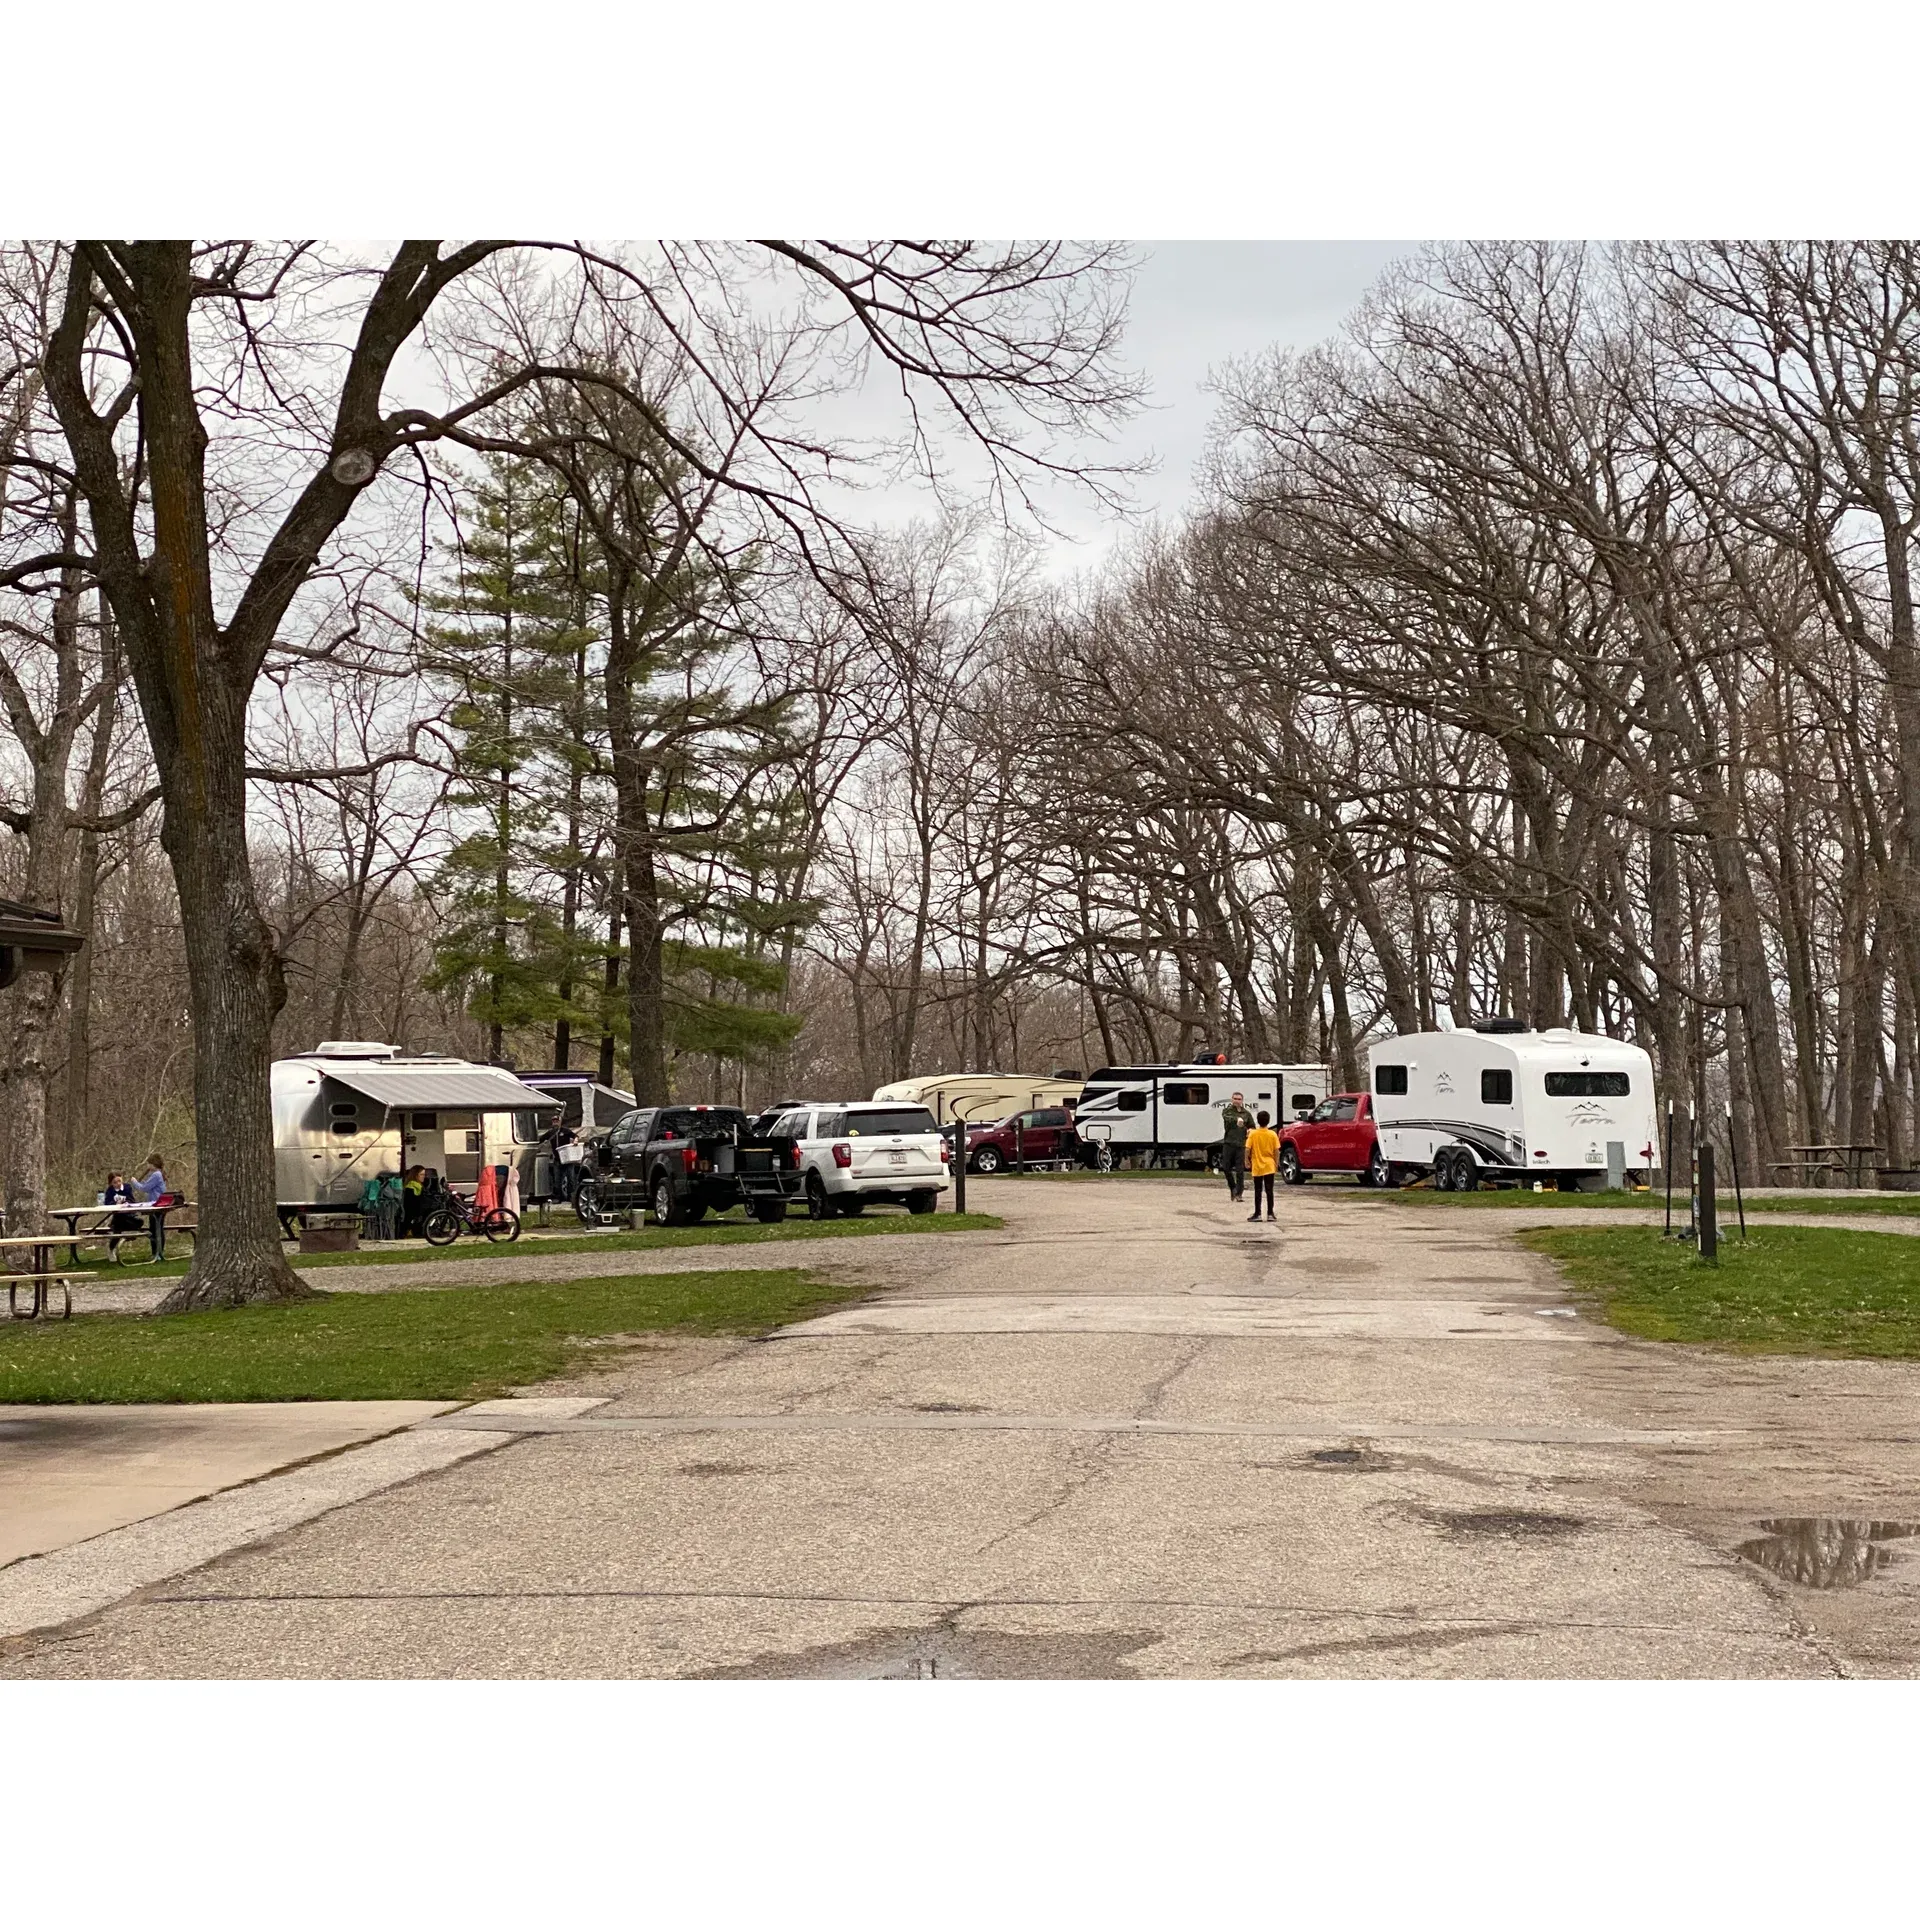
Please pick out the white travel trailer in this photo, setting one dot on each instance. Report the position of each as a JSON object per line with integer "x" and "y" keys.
{"x": 352, "y": 1108}
{"x": 1158, "y": 1113}
{"x": 1501, "y": 1104}
{"x": 981, "y": 1096}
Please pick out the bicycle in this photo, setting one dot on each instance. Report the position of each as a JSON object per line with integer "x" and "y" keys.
{"x": 455, "y": 1216}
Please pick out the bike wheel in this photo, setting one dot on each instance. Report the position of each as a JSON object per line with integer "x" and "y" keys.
{"x": 442, "y": 1228}
{"x": 502, "y": 1224}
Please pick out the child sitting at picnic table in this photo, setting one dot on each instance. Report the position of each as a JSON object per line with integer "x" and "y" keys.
{"x": 119, "y": 1193}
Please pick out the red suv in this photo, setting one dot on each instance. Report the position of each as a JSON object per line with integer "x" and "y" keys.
{"x": 1044, "y": 1133}
{"x": 1336, "y": 1137}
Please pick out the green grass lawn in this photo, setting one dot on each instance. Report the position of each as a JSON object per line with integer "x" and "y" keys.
{"x": 1810, "y": 1203}
{"x": 1784, "y": 1290}
{"x": 440, "y": 1343}
{"x": 644, "y": 1240}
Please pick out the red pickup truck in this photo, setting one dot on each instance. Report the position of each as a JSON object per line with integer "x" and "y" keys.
{"x": 1336, "y": 1137}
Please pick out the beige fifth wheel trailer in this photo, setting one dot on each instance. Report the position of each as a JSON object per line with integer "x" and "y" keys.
{"x": 981, "y": 1096}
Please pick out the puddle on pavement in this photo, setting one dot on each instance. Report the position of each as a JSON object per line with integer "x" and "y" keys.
{"x": 1506, "y": 1523}
{"x": 1345, "y": 1460}
{"x": 952, "y": 1654}
{"x": 1827, "y": 1553}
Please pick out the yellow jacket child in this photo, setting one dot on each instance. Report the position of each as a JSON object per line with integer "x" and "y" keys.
{"x": 1263, "y": 1152}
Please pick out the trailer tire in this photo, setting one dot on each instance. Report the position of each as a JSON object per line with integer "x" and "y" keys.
{"x": 1466, "y": 1172}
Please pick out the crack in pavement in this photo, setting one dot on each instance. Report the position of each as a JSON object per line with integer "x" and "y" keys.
{"x": 950, "y": 1609}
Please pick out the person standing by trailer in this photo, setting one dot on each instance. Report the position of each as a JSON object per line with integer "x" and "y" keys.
{"x": 1263, "y": 1158}
{"x": 1236, "y": 1122}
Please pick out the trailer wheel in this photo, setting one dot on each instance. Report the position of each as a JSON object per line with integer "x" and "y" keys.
{"x": 1466, "y": 1172}
{"x": 1103, "y": 1156}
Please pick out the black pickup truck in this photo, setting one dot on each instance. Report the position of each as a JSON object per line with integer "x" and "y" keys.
{"x": 686, "y": 1162}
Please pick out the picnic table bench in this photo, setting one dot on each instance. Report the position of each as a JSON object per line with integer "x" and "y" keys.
{"x": 42, "y": 1276}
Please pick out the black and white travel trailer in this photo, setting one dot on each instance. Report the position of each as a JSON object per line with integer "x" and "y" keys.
{"x": 587, "y": 1105}
{"x": 1167, "y": 1114}
{"x": 1502, "y": 1104}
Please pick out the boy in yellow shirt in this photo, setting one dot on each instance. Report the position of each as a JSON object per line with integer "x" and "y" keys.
{"x": 1263, "y": 1156}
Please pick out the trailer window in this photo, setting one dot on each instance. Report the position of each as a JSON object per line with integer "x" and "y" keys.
{"x": 1496, "y": 1086}
{"x": 1189, "y": 1093}
{"x": 526, "y": 1124}
{"x": 344, "y": 1127}
{"x": 1587, "y": 1086}
{"x": 344, "y": 1110}
{"x": 1131, "y": 1101}
{"x": 1389, "y": 1079}
{"x": 426, "y": 1121}
{"x": 1302, "y": 1101}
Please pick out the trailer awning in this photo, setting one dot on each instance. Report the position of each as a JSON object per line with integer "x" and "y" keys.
{"x": 479, "y": 1089}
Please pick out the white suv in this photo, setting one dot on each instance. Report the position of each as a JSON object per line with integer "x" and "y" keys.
{"x": 856, "y": 1151}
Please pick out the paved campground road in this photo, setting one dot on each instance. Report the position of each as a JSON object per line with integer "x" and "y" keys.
{"x": 1133, "y": 1435}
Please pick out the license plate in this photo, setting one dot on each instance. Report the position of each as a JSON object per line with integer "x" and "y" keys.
{"x": 898, "y": 1158}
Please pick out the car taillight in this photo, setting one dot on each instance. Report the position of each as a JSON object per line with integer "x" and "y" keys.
{"x": 842, "y": 1154}
{"x": 945, "y": 1152}
{"x": 690, "y": 1157}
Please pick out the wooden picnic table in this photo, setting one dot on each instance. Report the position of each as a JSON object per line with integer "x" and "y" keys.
{"x": 103, "y": 1226}
{"x": 1851, "y": 1159}
{"x": 42, "y": 1276}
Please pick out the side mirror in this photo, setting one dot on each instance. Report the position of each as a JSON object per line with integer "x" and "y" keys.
{"x": 603, "y": 1156}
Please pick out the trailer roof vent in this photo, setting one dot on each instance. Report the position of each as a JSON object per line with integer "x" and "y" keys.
{"x": 1501, "y": 1026}
{"x": 355, "y": 1050}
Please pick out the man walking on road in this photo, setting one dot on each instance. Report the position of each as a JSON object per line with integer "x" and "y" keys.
{"x": 1235, "y": 1124}
{"x": 1263, "y": 1157}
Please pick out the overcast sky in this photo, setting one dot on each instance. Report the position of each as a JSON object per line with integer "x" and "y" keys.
{"x": 1195, "y": 305}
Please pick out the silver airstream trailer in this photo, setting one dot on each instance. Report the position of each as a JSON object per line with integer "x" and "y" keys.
{"x": 351, "y": 1109}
